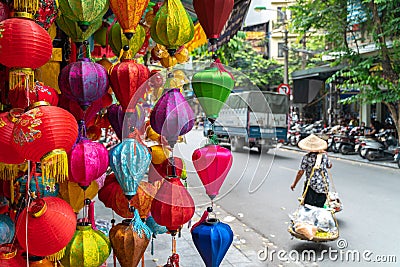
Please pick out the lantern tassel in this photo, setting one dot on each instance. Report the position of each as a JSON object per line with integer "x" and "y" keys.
{"x": 8, "y": 171}
{"x": 139, "y": 226}
{"x": 55, "y": 165}
{"x": 91, "y": 215}
{"x": 56, "y": 256}
{"x": 202, "y": 219}
{"x": 21, "y": 78}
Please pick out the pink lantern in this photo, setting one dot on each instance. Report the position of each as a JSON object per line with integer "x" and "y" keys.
{"x": 88, "y": 160}
{"x": 172, "y": 116}
{"x": 212, "y": 164}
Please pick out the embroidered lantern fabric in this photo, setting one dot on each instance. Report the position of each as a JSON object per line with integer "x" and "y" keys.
{"x": 47, "y": 13}
{"x": 51, "y": 224}
{"x": 212, "y": 239}
{"x": 129, "y": 160}
{"x": 88, "y": 160}
{"x": 129, "y": 240}
{"x": 83, "y": 81}
{"x": 45, "y": 134}
{"x": 212, "y": 164}
{"x": 117, "y": 40}
{"x": 88, "y": 248}
{"x": 172, "y": 116}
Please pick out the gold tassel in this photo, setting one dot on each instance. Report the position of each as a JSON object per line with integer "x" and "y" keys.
{"x": 56, "y": 256}
{"x": 8, "y": 171}
{"x": 25, "y": 8}
{"x": 55, "y": 166}
{"x": 21, "y": 79}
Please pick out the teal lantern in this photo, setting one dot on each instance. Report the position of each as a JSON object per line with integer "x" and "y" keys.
{"x": 212, "y": 87}
{"x": 7, "y": 229}
{"x": 129, "y": 160}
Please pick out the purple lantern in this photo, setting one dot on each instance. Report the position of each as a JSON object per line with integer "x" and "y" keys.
{"x": 115, "y": 116}
{"x": 172, "y": 116}
{"x": 123, "y": 123}
{"x": 83, "y": 81}
{"x": 88, "y": 160}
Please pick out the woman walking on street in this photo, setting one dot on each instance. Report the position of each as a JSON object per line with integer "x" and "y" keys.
{"x": 315, "y": 164}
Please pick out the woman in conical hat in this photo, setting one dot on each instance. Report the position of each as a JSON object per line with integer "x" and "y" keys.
{"x": 315, "y": 164}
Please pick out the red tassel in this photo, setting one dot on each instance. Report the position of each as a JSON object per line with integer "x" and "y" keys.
{"x": 202, "y": 219}
{"x": 91, "y": 215}
{"x": 217, "y": 64}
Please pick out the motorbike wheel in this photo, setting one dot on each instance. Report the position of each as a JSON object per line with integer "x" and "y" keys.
{"x": 334, "y": 148}
{"x": 398, "y": 163}
{"x": 293, "y": 141}
{"x": 344, "y": 150}
{"x": 370, "y": 155}
{"x": 359, "y": 153}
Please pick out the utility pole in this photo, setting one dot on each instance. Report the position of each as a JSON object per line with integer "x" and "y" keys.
{"x": 286, "y": 58}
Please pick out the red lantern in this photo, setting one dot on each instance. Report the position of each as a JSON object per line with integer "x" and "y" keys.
{"x": 212, "y": 15}
{"x": 172, "y": 206}
{"x": 45, "y": 134}
{"x": 24, "y": 46}
{"x": 8, "y": 153}
{"x": 48, "y": 224}
{"x": 126, "y": 79}
{"x": 9, "y": 256}
{"x": 19, "y": 99}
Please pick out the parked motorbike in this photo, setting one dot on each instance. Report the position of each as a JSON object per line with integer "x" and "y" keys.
{"x": 383, "y": 147}
{"x": 396, "y": 157}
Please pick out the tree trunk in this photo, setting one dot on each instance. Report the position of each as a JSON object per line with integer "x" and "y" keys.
{"x": 395, "y": 115}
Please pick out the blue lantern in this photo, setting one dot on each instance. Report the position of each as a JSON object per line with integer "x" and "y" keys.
{"x": 7, "y": 229}
{"x": 42, "y": 188}
{"x": 129, "y": 160}
{"x": 212, "y": 239}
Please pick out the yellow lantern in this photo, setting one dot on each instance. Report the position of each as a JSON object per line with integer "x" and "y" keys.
{"x": 75, "y": 195}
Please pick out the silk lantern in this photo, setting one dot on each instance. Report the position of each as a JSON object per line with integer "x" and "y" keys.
{"x": 72, "y": 29}
{"x": 100, "y": 36}
{"x": 172, "y": 116}
{"x": 37, "y": 185}
{"x": 83, "y": 81}
{"x": 9, "y": 155}
{"x": 123, "y": 123}
{"x": 25, "y": 46}
{"x": 128, "y": 14}
{"x": 115, "y": 116}
{"x": 88, "y": 160}
{"x": 9, "y": 256}
{"x": 212, "y": 15}
{"x": 172, "y": 206}
{"x": 47, "y": 13}
{"x": 129, "y": 160}
{"x": 7, "y": 229}
{"x": 88, "y": 248}
{"x": 143, "y": 198}
{"x": 117, "y": 40}
{"x": 212, "y": 164}
{"x": 126, "y": 80}
{"x": 129, "y": 240}
{"x": 212, "y": 88}
{"x": 212, "y": 239}
{"x": 172, "y": 26}
{"x": 45, "y": 134}
{"x": 22, "y": 98}
{"x": 74, "y": 194}
{"x": 48, "y": 224}
{"x": 84, "y": 12}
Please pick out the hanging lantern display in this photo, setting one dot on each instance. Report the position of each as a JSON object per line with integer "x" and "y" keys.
{"x": 74, "y": 108}
{"x": 20, "y": 98}
{"x": 212, "y": 88}
{"x": 157, "y": 172}
{"x": 83, "y": 81}
{"x": 128, "y": 14}
{"x": 129, "y": 160}
{"x": 74, "y": 194}
{"x": 129, "y": 240}
{"x": 212, "y": 239}
{"x": 115, "y": 116}
{"x": 172, "y": 26}
{"x": 47, "y": 13}
{"x": 4, "y": 11}
{"x": 105, "y": 63}
{"x": 45, "y": 134}
{"x": 172, "y": 206}
{"x": 160, "y": 53}
{"x": 7, "y": 229}
{"x": 212, "y": 15}
{"x": 212, "y": 164}
{"x": 88, "y": 248}
{"x": 9, "y": 155}
{"x": 48, "y": 224}
{"x": 117, "y": 40}
{"x": 84, "y": 12}
{"x": 37, "y": 186}
{"x": 88, "y": 160}
{"x": 100, "y": 36}
{"x": 143, "y": 198}
{"x": 113, "y": 197}
{"x": 125, "y": 122}
{"x": 155, "y": 227}
{"x": 126, "y": 80}
{"x": 25, "y": 46}
{"x": 72, "y": 29}
{"x": 35, "y": 261}
{"x": 172, "y": 116}
{"x": 9, "y": 256}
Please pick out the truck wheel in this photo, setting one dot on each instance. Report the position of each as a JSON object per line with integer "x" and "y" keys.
{"x": 237, "y": 144}
{"x": 263, "y": 149}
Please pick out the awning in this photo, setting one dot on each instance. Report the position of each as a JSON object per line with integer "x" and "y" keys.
{"x": 319, "y": 73}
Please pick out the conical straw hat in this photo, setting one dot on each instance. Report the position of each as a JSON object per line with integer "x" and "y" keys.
{"x": 313, "y": 143}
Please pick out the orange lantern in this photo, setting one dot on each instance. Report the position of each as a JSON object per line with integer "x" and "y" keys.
{"x": 143, "y": 198}
{"x": 45, "y": 134}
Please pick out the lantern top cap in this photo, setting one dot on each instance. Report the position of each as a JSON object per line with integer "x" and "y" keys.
{"x": 37, "y": 208}
{"x": 7, "y": 251}
{"x": 38, "y": 104}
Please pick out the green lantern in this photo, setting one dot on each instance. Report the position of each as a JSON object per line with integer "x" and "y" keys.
{"x": 84, "y": 12}
{"x": 172, "y": 26}
{"x": 212, "y": 87}
{"x": 100, "y": 36}
{"x": 72, "y": 29}
{"x": 88, "y": 248}
{"x": 117, "y": 40}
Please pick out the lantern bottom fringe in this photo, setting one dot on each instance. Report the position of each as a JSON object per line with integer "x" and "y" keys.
{"x": 56, "y": 256}
{"x": 55, "y": 166}
{"x": 21, "y": 79}
{"x": 8, "y": 171}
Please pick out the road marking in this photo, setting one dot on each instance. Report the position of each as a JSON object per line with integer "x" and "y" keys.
{"x": 289, "y": 169}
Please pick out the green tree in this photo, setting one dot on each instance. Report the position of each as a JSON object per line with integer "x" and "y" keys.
{"x": 374, "y": 75}
{"x": 240, "y": 55}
